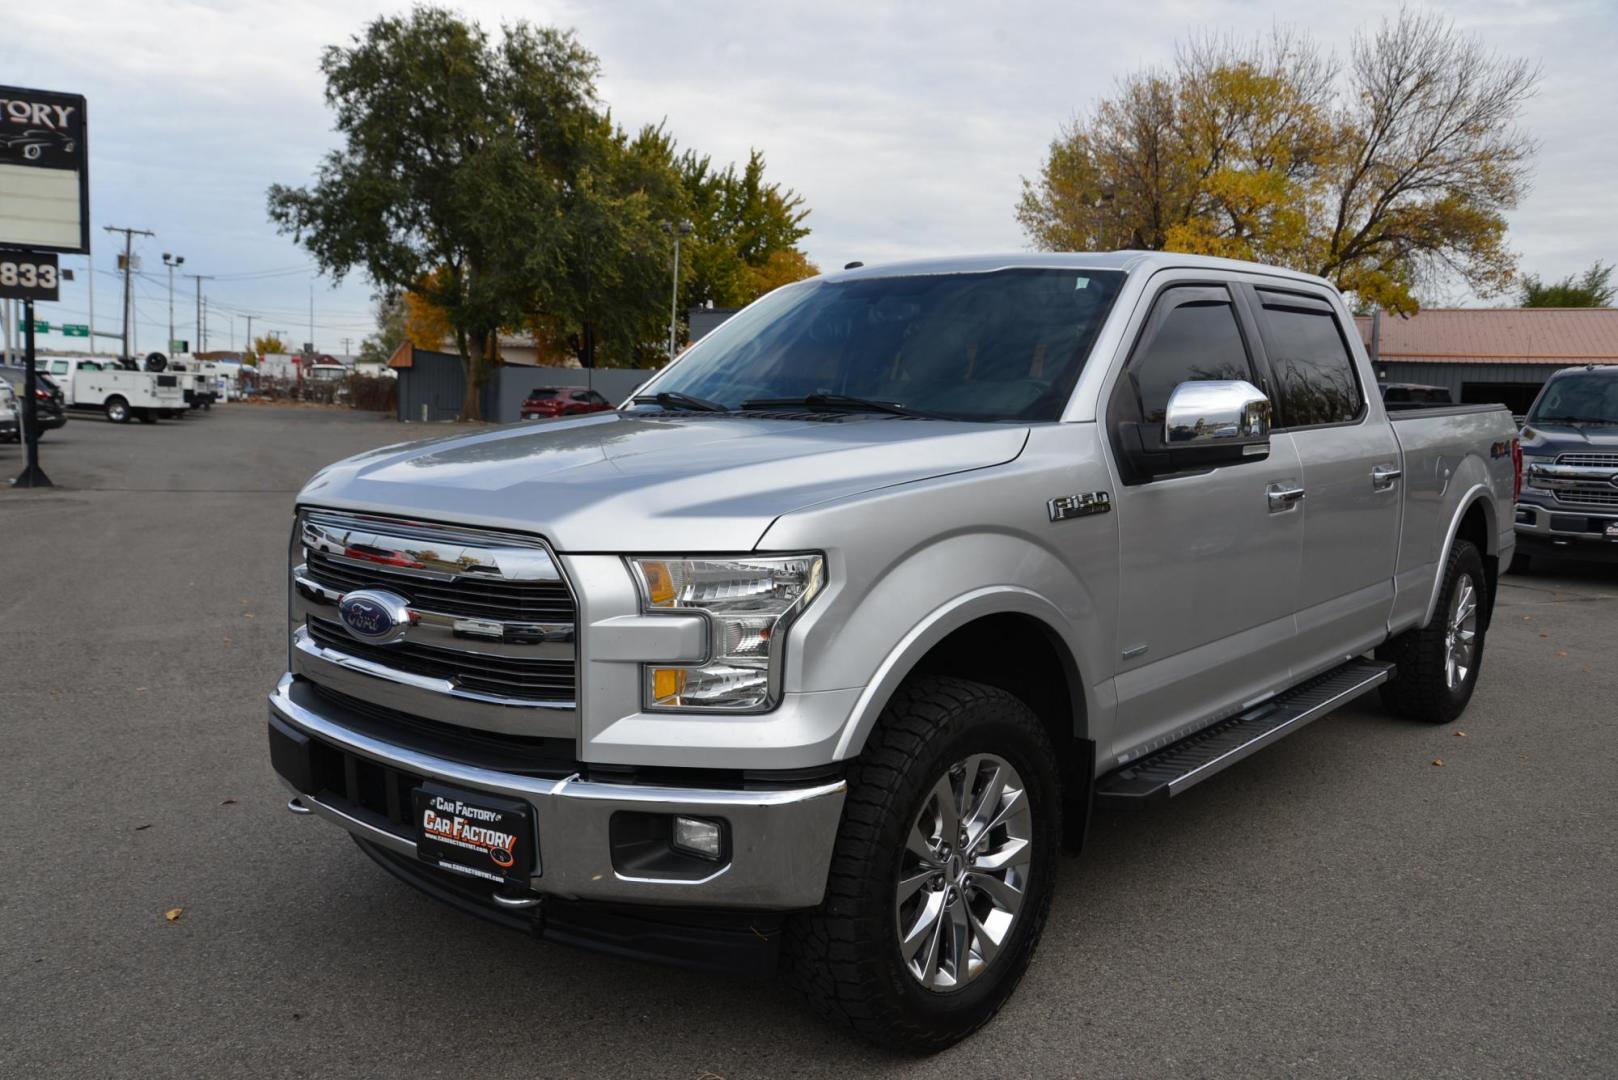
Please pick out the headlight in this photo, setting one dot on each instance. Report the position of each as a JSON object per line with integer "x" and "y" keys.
{"x": 750, "y": 602}
{"x": 1535, "y": 459}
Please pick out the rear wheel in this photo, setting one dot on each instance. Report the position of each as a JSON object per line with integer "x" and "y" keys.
{"x": 942, "y": 874}
{"x": 117, "y": 410}
{"x": 146, "y": 416}
{"x": 1438, "y": 663}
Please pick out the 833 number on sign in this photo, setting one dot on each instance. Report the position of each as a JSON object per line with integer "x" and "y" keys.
{"x": 28, "y": 276}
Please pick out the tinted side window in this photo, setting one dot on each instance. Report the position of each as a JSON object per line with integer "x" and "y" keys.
{"x": 1194, "y": 341}
{"x": 1314, "y": 372}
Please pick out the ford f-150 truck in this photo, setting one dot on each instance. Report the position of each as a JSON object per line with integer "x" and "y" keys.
{"x": 819, "y": 650}
{"x": 1568, "y": 507}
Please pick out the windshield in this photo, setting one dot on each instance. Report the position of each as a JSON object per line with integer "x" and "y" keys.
{"x": 1003, "y": 345}
{"x": 1591, "y": 398}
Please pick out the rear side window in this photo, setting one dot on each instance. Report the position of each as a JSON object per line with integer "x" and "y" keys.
{"x": 59, "y": 367}
{"x": 542, "y": 395}
{"x": 1314, "y": 373}
{"x": 1196, "y": 338}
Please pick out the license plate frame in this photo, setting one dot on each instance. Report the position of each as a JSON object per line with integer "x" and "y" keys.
{"x": 475, "y": 834}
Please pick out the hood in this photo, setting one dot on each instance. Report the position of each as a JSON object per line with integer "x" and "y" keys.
{"x": 1551, "y": 439}
{"x": 613, "y": 482}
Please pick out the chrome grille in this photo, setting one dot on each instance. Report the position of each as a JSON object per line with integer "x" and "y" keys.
{"x": 484, "y": 637}
{"x": 1594, "y": 461}
{"x": 1582, "y": 497}
{"x": 516, "y": 601}
{"x": 532, "y": 679}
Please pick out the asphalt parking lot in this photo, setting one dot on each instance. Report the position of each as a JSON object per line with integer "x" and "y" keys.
{"x": 1340, "y": 905}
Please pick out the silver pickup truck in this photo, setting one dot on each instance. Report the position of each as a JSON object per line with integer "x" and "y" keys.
{"x": 820, "y": 650}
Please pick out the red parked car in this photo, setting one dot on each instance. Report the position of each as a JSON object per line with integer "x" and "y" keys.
{"x": 545, "y": 402}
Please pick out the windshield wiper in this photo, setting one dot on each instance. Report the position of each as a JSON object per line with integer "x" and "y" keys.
{"x": 1575, "y": 420}
{"x": 673, "y": 399}
{"x": 833, "y": 401}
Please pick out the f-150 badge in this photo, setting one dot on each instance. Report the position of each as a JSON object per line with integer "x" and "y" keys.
{"x": 1071, "y": 506}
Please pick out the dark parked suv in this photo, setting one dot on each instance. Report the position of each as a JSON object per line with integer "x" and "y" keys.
{"x": 48, "y": 397}
{"x": 1568, "y": 507}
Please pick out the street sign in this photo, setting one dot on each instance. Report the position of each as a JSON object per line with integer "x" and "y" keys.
{"x": 178, "y": 346}
{"x": 28, "y": 276}
{"x": 75, "y": 330}
{"x": 41, "y": 326}
{"x": 44, "y": 171}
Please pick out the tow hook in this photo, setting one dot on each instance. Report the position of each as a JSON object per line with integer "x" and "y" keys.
{"x": 518, "y": 902}
{"x": 297, "y": 807}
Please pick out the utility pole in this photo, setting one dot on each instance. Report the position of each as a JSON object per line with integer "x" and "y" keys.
{"x": 90, "y": 276}
{"x": 129, "y": 253}
{"x": 311, "y": 318}
{"x": 202, "y": 332}
{"x": 249, "y": 347}
{"x": 345, "y": 345}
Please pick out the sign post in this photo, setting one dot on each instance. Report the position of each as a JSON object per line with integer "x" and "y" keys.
{"x": 44, "y": 212}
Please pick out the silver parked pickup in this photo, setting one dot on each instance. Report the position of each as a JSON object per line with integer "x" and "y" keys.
{"x": 820, "y": 649}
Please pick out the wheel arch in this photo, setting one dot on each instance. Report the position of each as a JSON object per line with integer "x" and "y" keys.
{"x": 1474, "y": 521}
{"x": 1003, "y": 636}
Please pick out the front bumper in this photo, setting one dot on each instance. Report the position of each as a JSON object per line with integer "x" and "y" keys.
{"x": 780, "y": 836}
{"x": 1565, "y": 532}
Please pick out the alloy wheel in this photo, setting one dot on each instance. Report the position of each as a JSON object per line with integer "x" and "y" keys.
{"x": 1461, "y": 636}
{"x": 963, "y": 875}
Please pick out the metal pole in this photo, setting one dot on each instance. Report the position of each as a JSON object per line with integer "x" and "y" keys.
{"x": 5, "y": 325}
{"x": 90, "y": 274}
{"x": 202, "y": 337}
{"x": 32, "y": 475}
{"x": 674, "y": 295}
{"x": 171, "y": 301}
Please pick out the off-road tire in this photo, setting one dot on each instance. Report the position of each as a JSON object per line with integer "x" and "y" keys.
{"x": 117, "y": 410}
{"x": 1418, "y": 690}
{"x": 843, "y": 956}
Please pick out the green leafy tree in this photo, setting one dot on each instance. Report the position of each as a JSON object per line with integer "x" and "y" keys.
{"x": 1593, "y": 288}
{"x": 390, "y": 313}
{"x": 459, "y": 160}
{"x": 1391, "y": 173}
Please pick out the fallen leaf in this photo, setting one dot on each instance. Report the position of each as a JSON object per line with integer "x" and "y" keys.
{"x": 247, "y": 615}
{"x": 140, "y": 689}
{"x": 1544, "y": 635}
{"x": 1527, "y": 618}
{"x": 1460, "y": 734}
{"x": 1587, "y": 671}
{"x": 1561, "y": 652}
{"x": 1439, "y": 762}
{"x": 228, "y": 802}
{"x": 173, "y": 914}
{"x": 148, "y": 825}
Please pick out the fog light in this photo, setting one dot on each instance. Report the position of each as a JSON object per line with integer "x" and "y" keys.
{"x": 698, "y": 836}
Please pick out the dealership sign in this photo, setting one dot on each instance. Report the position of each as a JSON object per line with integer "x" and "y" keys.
{"x": 44, "y": 171}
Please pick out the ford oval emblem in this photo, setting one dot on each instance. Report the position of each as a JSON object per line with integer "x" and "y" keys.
{"x": 374, "y": 616}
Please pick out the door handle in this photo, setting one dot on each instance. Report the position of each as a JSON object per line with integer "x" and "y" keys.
{"x": 1283, "y": 496}
{"x": 1383, "y": 477}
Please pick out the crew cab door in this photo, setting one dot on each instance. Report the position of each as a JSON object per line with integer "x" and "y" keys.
{"x": 1208, "y": 560}
{"x": 1351, "y": 475}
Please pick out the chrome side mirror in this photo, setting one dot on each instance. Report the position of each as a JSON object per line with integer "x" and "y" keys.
{"x": 1218, "y": 413}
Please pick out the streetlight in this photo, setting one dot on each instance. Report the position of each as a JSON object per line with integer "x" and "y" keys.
{"x": 676, "y": 231}
{"x": 171, "y": 261}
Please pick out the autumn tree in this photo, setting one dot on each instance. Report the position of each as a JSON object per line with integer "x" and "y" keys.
{"x": 1593, "y": 288}
{"x": 269, "y": 344}
{"x": 1391, "y": 172}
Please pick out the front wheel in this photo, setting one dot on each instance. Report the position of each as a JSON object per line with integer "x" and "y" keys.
{"x": 117, "y": 410}
{"x": 1438, "y": 663}
{"x": 942, "y": 873}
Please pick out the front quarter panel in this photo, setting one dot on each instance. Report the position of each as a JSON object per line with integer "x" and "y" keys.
{"x": 909, "y": 564}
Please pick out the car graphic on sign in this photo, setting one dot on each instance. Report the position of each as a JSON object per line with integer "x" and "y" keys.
{"x": 32, "y": 143}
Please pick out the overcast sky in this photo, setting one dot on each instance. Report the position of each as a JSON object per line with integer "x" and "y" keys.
{"x": 906, "y": 126}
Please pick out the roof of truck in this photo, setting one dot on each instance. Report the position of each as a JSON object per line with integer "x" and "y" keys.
{"x": 1127, "y": 261}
